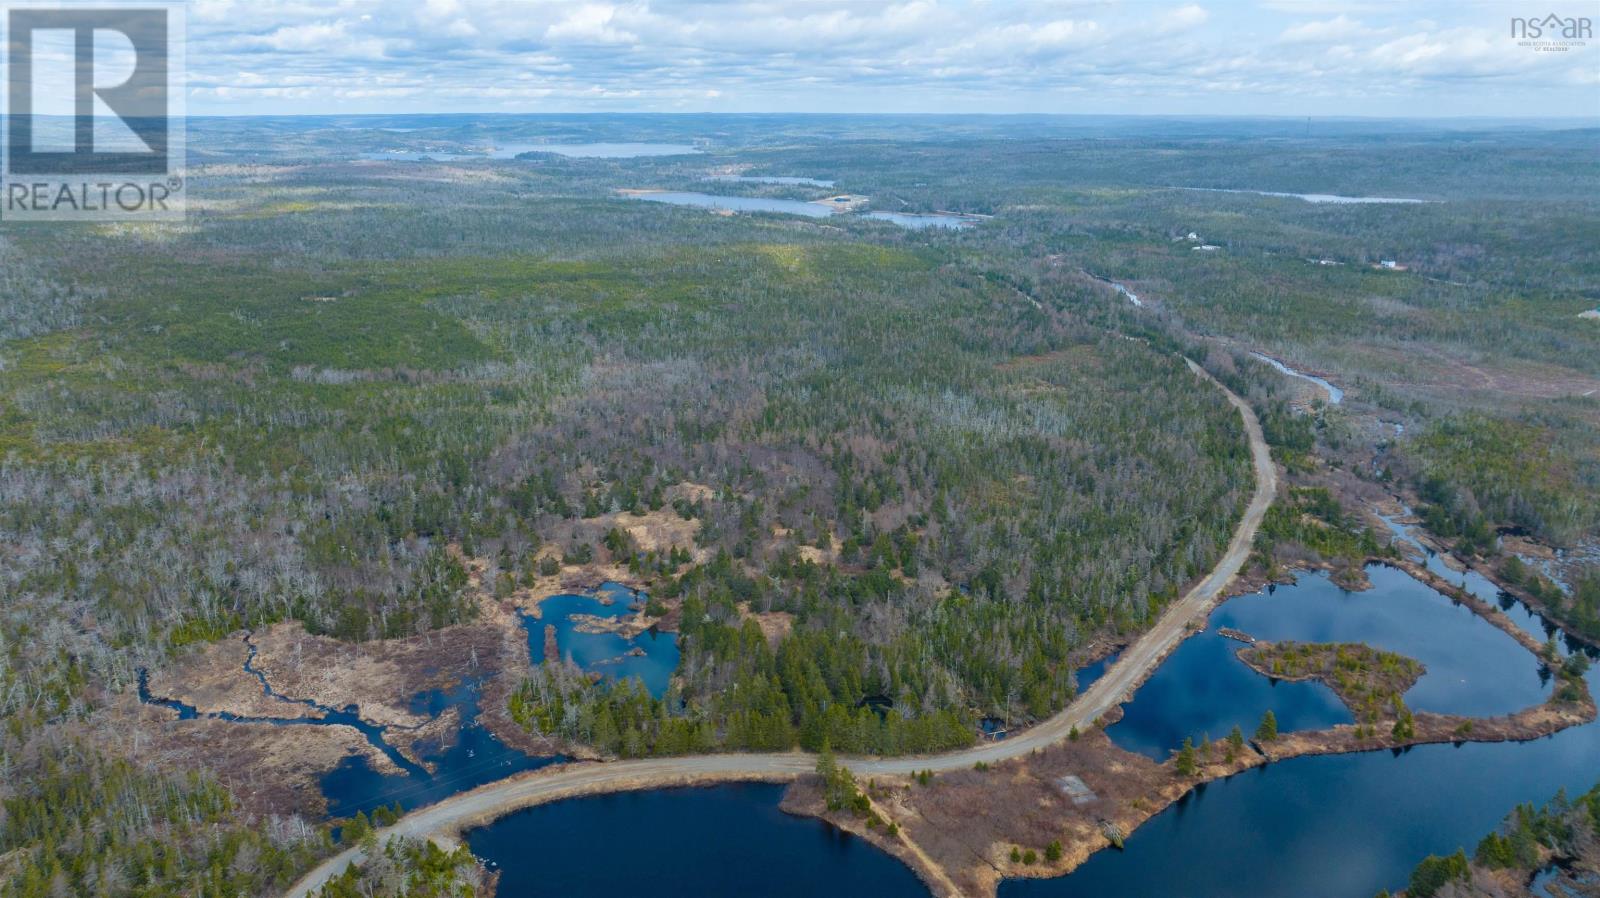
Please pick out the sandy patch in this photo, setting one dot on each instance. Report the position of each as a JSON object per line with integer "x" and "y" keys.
{"x": 775, "y": 625}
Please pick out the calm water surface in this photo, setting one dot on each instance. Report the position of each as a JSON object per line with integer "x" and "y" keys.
{"x": 1334, "y": 826}
{"x": 1338, "y": 826}
{"x": 651, "y": 656}
{"x": 594, "y": 150}
{"x": 469, "y": 756}
{"x": 736, "y": 203}
{"x": 683, "y": 843}
{"x": 918, "y": 222}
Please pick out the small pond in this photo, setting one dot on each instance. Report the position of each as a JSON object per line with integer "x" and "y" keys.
{"x": 651, "y": 656}
{"x": 462, "y": 758}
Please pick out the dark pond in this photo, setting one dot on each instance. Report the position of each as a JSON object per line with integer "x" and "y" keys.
{"x": 469, "y": 756}
{"x": 1088, "y": 674}
{"x": 721, "y": 840}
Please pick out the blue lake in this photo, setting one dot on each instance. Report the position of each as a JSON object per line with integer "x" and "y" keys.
{"x": 1337, "y": 826}
{"x": 720, "y": 840}
{"x": 651, "y": 656}
{"x": 1476, "y": 584}
{"x": 1204, "y": 689}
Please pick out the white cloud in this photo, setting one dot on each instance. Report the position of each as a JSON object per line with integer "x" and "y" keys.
{"x": 928, "y": 55}
{"x": 1339, "y": 28}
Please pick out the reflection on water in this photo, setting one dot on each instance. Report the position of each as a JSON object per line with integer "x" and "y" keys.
{"x": 461, "y": 758}
{"x": 684, "y": 843}
{"x": 1479, "y": 586}
{"x": 652, "y": 656}
{"x": 1204, "y": 689}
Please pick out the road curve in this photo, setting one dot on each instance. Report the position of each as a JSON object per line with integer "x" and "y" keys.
{"x": 451, "y": 816}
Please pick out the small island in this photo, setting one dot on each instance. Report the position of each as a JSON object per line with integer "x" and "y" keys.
{"x": 1369, "y": 681}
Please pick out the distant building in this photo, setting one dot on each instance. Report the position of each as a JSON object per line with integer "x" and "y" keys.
{"x": 1205, "y": 248}
{"x": 1389, "y": 263}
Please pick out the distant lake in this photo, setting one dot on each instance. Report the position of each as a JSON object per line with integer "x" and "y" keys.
{"x": 594, "y": 150}
{"x": 917, "y": 221}
{"x": 736, "y": 203}
{"x": 1314, "y": 197}
{"x": 409, "y": 156}
{"x": 772, "y": 179}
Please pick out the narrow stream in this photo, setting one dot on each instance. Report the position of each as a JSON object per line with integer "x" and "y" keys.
{"x": 462, "y": 758}
{"x": 1335, "y": 395}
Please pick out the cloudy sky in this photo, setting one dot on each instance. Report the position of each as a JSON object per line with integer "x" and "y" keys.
{"x": 1272, "y": 57}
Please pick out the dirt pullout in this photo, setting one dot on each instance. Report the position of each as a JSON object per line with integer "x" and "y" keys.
{"x": 212, "y": 678}
{"x": 775, "y": 625}
{"x": 963, "y": 825}
{"x": 269, "y": 768}
{"x": 804, "y": 798}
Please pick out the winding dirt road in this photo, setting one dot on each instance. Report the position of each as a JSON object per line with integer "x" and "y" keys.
{"x": 450, "y": 817}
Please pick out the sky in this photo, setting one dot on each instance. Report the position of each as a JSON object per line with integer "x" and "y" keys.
{"x": 1141, "y": 57}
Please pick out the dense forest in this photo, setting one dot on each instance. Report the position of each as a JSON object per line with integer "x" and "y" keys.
{"x": 951, "y": 459}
